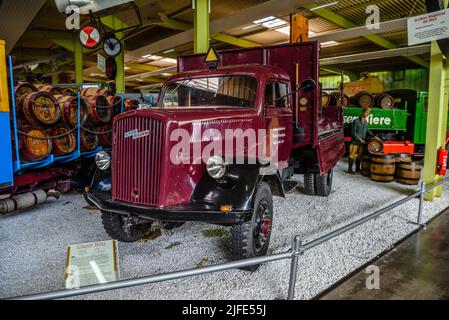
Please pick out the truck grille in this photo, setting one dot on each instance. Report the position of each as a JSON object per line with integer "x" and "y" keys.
{"x": 136, "y": 160}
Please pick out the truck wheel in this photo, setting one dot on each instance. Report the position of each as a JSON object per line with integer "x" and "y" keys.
{"x": 251, "y": 239}
{"x": 309, "y": 184}
{"x": 324, "y": 183}
{"x": 114, "y": 224}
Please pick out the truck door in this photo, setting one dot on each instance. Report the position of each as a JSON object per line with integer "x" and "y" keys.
{"x": 278, "y": 120}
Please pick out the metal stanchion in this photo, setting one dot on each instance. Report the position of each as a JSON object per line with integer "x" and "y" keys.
{"x": 296, "y": 252}
{"x": 421, "y": 203}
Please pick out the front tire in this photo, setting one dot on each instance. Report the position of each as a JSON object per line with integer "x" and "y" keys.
{"x": 251, "y": 239}
{"x": 114, "y": 224}
{"x": 309, "y": 184}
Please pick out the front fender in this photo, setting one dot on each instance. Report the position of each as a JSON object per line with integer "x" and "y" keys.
{"x": 238, "y": 187}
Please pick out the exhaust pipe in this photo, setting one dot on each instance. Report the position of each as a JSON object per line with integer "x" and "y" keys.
{"x": 22, "y": 201}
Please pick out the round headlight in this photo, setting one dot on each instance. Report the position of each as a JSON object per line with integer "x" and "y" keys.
{"x": 216, "y": 167}
{"x": 103, "y": 160}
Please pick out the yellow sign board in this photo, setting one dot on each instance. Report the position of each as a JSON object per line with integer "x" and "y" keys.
{"x": 4, "y": 99}
{"x": 212, "y": 56}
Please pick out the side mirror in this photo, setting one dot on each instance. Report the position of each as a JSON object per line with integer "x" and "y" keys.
{"x": 308, "y": 85}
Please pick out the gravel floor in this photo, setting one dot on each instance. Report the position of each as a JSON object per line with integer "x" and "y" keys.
{"x": 33, "y": 245}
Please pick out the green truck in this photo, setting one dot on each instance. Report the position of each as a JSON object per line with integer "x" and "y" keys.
{"x": 406, "y": 121}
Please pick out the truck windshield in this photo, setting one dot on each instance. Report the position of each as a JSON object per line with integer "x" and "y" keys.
{"x": 214, "y": 92}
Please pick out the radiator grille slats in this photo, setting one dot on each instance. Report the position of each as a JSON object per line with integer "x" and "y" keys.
{"x": 137, "y": 160}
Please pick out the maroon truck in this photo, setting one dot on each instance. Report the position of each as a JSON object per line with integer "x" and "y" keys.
{"x": 221, "y": 141}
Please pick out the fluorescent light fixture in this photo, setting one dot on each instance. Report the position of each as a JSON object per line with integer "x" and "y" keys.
{"x": 169, "y": 60}
{"x": 168, "y": 51}
{"x": 250, "y": 26}
{"x": 284, "y": 30}
{"x": 324, "y": 5}
{"x": 151, "y": 57}
{"x": 328, "y": 44}
{"x": 127, "y": 68}
{"x": 260, "y": 21}
{"x": 166, "y": 74}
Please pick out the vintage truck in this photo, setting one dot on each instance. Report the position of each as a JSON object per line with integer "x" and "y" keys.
{"x": 173, "y": 163}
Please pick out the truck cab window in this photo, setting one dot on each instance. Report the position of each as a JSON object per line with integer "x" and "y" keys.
{"x": 213, "y": 92}
{"x": 276, "y": 95}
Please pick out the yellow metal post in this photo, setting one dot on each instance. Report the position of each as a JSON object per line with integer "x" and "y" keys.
{"x": 201, "y": 25}
{"x": 78, "y": 52}
{"x": 436, "y": 117}
{"x": 120, "y": 59}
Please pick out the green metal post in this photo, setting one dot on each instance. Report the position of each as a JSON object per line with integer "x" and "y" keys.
{"x": 201, "y": 25}
{"x": 78, "y": 60}
{"x": 436, "y": 118}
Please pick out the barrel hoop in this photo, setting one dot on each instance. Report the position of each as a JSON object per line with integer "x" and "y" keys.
{"x": 410, "y": 170}
{"x": 382, "y": 174}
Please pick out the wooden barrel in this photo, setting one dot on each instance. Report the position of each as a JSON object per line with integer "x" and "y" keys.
{"x": 69, "y": 110}
{"x": 89, "y": 140}
{"x": 34, "y": 143}
{"x": 403, "y": 157}
{"x": 39, "y": 108}
{"x": 363, "y": 99}
{"x": 50, "y": 89}
{"x": 409, "y": 173}
{"x": 64, "y": 140}
{"x": 115, "y": 102}
{"x": 105, "y": 135}
{"x": 336, "y": 99}
{"x": 375, "y": 146}
{"x": 384, "y": 101}
{"x": 24, "y": 88}
{"x": 383, "y": 167}
{"x": 366, "y": 165}
{"x": 131, "y": 104}
{"x": 98, "y": 110}
{"x": 88, "y": 92}
{"x": 325, "y": 99}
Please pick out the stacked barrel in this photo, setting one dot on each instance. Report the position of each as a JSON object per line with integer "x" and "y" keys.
{"x": 361, "y": 99}
{"x": 47, "y": 119}
{"x": 390, "y": 167}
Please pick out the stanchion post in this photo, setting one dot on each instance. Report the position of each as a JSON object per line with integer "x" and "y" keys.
{"x": 421, "y": 203}
{"x": 296, "y": 252}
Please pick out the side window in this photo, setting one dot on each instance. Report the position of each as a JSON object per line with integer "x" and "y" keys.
{"x": 276, "y": 95}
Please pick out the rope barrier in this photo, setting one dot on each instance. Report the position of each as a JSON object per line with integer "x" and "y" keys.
{"x": 63, "y": 134}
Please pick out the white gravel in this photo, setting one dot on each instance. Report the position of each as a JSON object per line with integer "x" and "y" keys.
{"x": 33, "y": 245}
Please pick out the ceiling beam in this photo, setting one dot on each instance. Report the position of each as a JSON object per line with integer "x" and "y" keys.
{"x": 343, "y": 22}
{"x": 362, "y": 31}
{"x": 240, "y": 18}
{"x": 358, "y": 57}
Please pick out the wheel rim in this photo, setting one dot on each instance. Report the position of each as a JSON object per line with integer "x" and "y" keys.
{"x": 262, "y": 227}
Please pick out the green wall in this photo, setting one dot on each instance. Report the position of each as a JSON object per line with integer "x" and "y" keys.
{"x": 417, "y": 79}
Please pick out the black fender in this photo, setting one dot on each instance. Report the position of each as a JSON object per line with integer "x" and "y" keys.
{"x": 237, "y": 188}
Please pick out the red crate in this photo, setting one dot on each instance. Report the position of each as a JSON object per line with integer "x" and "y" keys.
{"x": 399, "y": 147}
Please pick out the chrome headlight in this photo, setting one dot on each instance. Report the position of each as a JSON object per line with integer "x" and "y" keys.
{"x": 216, "y": 167}
{"x": 103, "y": 160}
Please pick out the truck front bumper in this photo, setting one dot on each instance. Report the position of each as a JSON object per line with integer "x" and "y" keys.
{"x": 188, "y": 212}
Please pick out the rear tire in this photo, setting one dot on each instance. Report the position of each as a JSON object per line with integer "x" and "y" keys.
{"x": 323, "y": 184}
{"x": 251, "y": 239}
{"x": 309, "y": 184}
{"x": 115, "y": 227}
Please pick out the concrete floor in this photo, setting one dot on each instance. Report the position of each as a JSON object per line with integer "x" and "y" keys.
{"x": 417, "y": 269}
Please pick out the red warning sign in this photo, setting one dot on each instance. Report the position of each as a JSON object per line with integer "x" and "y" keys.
{"x": 90, "y": 37}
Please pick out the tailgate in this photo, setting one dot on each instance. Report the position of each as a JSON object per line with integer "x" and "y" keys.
{"x": 331, "y": 148}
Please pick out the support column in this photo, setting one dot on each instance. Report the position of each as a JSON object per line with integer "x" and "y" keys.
{"x": 201, "y": 25}
{"x": 55, "y": 78}
{"x": 120, "y": 59}
{"x": 78, "y": 52}
{"x": 436, "y": 117}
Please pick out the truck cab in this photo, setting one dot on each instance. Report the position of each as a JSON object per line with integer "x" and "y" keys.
{"x": 222, "y": 140}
